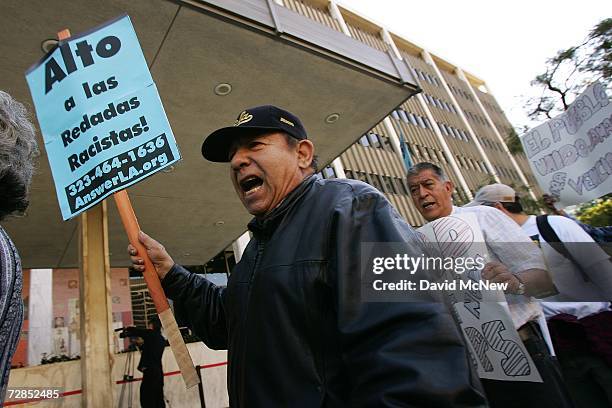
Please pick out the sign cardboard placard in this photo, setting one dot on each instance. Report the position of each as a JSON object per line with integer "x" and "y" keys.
{"x": 483, "y": 315}
{"x": 102, "y": 121}
{"x": 571, "y": 154}
{"x": 102, "y": 136}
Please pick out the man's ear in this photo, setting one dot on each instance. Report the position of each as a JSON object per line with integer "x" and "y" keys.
{"x": 305, "y": 151}
{"x": 449, "y": 186}
{"x": 499, "y": 207}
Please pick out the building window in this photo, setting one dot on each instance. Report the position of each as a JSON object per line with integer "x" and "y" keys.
{"x": 442, "y": 127}
{"x": 329, "y": 172}
{"x": 375, "y": 140}
{"x": 402, "y": 183}
{"x": 432, "y": 154}
{"x": 443, "y": 155}
{"x": 410, "y": 149}
{"x": 360, "y": 175}
{"x": 413, "y": 119}
{"x": 418, "y": 150}
{"x": 386, "y": 143}
{"x": 374, "y": 181}
{"x": 389, "y": 185}
{"x": 420, "y": 121}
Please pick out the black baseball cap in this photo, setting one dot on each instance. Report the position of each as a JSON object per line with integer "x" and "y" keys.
{"x": 251, "y": 121}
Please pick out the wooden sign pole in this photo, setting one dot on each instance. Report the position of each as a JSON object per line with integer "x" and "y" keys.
{"x": 181, "y": 354}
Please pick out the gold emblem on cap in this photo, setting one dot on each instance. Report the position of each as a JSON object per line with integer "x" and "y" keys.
{"x": 243, "y": 118}
{"x": 287, "y": 121}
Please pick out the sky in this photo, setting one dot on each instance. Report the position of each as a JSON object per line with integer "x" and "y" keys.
{"x": 504, "y": 43}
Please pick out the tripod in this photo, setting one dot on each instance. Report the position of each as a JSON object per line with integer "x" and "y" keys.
{"x": 128, "y": 377}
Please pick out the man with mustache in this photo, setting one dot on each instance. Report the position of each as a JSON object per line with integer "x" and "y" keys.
{"x": 515, "y": 260}
{"x": 291, "y": 317}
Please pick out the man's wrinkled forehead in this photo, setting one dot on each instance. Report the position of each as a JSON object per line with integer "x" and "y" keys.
{"x": 423, "y": 176}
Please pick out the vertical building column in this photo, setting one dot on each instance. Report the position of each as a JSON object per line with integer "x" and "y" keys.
{"x": 240, "y": 245}
{"x": 393, "y": 137}
{"x": 483, "y": 154}
{"x": 95, "y": 309}
{"x": 336, "y": 14}
{"x": 501, "y": 140}
{"x": 447, "y": 151}
{"x": 40, "y": 314}
{"x": 451, "y": 158}
{"x": 338, "y": 167}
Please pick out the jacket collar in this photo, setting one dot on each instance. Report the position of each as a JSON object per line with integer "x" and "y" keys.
{"x": 267, "y": 225}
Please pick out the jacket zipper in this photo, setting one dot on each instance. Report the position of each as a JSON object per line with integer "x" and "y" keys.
{"x": 260, "y": 248}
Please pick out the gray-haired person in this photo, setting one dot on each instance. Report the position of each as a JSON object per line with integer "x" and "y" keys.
{"x": 18, "y": 151}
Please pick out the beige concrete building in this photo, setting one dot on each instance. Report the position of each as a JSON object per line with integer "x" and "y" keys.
{"x": 454, "y": 122}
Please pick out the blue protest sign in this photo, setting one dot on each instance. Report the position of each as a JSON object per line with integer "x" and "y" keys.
{"x": 100, "y": 114}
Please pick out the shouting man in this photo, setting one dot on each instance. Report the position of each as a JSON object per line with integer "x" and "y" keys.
{"x": 291, "y": 317}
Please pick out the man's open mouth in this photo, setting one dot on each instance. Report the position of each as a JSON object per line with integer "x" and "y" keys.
{"x": 251, "y": 184}
{"x": 427, "y": 205}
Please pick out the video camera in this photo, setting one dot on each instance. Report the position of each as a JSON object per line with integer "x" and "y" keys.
{"x": 132, "y": 331}
{"x": 127, "y": 332}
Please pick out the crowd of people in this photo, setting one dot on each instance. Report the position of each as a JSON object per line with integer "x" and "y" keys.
{"x": 573, "y": 284}
{"x": 297, "y": 290}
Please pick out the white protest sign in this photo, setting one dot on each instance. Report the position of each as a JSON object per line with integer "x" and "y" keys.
{"x": 483, "y": 315}
{"x": 571, "y": 155}
{"x": 101, "y": 118}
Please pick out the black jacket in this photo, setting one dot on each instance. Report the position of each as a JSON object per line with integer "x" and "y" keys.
{"x": 296, "y": 332}
{"x": 152, "y": 348}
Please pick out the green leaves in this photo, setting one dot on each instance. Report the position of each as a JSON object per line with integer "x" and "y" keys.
{"x": 570, "y": 71}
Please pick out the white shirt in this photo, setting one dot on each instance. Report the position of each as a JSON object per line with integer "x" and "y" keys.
{"x": 570, "y": 281}
{"x": 509, "y": 245}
